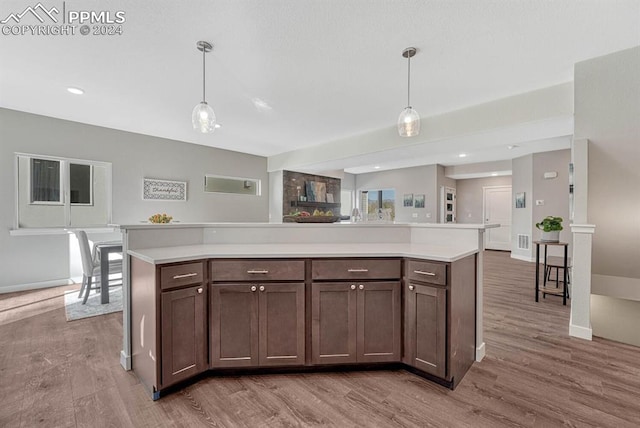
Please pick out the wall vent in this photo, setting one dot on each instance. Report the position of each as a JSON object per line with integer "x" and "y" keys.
{"x": 523, "y": 242}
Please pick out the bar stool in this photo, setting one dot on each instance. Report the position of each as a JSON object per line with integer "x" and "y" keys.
{"x": 557, "y": 263}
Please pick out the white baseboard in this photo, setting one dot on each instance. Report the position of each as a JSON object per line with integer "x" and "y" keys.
{"x": 480, "y": 352}
{"x": 125, "y": 360}
{"x": 35, "y": 285}
{"x": 523, "y": 258}
{"x": 580, "y": 332}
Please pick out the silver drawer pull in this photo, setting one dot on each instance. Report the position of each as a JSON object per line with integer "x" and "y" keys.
{"x": 357, "y": 270}
{"x": 421, "y": 272}
{"x": 200, "y": 290}
{"x": 259, "y": 271}
{"x": 411, "y": 288}
{"x": 185, "y": 275}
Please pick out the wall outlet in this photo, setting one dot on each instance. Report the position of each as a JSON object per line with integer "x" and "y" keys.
{"x": 428, "y": 215}
{"x": 539, "y": 201}
{"x": 414, "y": 215}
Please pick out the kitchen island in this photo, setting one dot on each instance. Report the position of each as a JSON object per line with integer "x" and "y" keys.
{"x": 271, "y": 296}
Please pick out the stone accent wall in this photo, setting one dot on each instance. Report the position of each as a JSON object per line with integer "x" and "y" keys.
{"x": 294, "y": 187}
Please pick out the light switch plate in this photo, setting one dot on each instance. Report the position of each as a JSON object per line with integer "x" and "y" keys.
{"x": 414, "y": 215}
{"x": 539, "y": 201}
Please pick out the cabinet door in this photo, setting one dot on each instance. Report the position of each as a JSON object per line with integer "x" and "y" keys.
{"x": 234, "y": 325}
{"x": 378, "y": 322}
{"x": 425, "y": 328}
{"x": 333, "y": 318}
{"x": 282, "y": 322}
{"x": 184, "y": 339}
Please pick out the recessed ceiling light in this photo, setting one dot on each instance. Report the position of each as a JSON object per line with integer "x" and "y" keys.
{"x": 75, "y": 91}
{"x": 376, "y": 167}
{"x": 217, "y": 126}
{"x": 511, "y": 146}
{"x": 462, "y": 155}
{"x": 494, "y": 174}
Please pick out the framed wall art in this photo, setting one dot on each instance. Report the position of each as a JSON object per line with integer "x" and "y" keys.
{"x": 154, "y": 189}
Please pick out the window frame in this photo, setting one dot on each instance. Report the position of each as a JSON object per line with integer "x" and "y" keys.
{"x": 65, "y": 188}
{"x": 60, "y": 202}
{"x": 80, "y": 204}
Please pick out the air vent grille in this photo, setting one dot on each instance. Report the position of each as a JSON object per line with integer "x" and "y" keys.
{"x": 523, "y": 242}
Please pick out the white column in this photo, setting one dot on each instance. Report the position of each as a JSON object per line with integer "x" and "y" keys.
{"x": 480, "y": 347}
{"x": 580, "y": 321}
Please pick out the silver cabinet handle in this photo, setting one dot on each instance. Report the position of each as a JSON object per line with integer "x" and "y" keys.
{"x": 353, "y": 286}
{"x": 262, "y": 288}
{"x": 357, "y": 270}
{"x": 200, "y": 290}
{"x": 411, "y": 287}
{"x": 421, "y": 272}
{"x": 185, "y": 275}
{"x": 254, "y": 288}
{"x": 258, "y": 271}
{"x": 361, "y": 287}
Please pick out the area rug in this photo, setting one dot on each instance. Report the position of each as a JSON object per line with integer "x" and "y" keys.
{"x": 75, "y": 310}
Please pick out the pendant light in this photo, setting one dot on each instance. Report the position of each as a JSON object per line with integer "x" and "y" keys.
{"x": 409, "y": 120}
{"x": 203, "y": 117}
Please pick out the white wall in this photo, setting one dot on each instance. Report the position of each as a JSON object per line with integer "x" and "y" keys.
{"x": 416, "y": 180}
{"x": 607, "y": 113}
{"x": 27, "y": 261}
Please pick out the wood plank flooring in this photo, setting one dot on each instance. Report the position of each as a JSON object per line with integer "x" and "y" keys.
{"x": 55, "y": 373}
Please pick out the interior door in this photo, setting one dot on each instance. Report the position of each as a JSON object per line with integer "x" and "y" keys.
{"x": 497, "y": 209}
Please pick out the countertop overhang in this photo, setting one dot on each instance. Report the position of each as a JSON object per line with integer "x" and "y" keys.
{"x": 308, "y": 250}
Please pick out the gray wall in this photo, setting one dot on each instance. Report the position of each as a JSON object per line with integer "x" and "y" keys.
{"x": 554, "y": 192}
{"x": 416, "y": 180}
{"x": 522, "y": 218}
{"x": 26, "y": 260}
{"x": 470, "y": 196}
{"x": 607, "y": 113}
{"x": 528, "y": 177}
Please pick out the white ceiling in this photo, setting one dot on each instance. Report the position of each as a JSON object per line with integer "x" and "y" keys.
{"x": 327, "y": 69}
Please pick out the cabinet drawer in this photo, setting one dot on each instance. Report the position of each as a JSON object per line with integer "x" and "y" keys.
{"x": 431, "y": 272}
{"x": 356, "y": 269}
{"x": 257, "y": 270}
{"x": 179, "y": 275}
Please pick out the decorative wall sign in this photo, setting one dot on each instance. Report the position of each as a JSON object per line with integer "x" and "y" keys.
{"x": 520, "y": 200}
{"x": 407, "y": 200}
{"x": 419, "y": 201}
{"x": 164, "y": 190}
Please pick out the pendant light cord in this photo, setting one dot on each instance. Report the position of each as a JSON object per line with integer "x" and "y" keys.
{"x": 204, "y": 51}
{"x": 409, "y": 81}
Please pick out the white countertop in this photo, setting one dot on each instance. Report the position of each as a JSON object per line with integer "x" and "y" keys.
{"x": 179, "y": 225}
{"x": 194, "y": 252}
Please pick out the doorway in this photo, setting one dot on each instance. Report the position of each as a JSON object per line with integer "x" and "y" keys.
{"x": 497, "y": 209}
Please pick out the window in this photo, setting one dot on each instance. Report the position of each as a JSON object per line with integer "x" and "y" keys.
{"x": 378, "y": 205}
{"x": 81, "y": 184}
{"x": 46, "y": 181}
{"x": 59, "y": 192}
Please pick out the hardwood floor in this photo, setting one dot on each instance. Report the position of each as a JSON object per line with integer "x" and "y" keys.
{"x": 55, "y": 373}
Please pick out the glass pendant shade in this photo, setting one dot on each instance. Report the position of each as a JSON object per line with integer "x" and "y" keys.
{"x": 203, "y": 118}
{"x": 409, "y": 123}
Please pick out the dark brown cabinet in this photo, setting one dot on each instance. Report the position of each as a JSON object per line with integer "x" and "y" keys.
{"x": 359, "y": 320}
{"x": 355, "y": 322}
{"x": 439, "y": 317}
{"x": 258, "y": 324}
{"x": 184, "y": 337}
{"x": 256, "y": 321}
{"x": 426, "y": 328}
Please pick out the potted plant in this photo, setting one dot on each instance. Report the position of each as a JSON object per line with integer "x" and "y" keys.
{"x": 550, "y": 227}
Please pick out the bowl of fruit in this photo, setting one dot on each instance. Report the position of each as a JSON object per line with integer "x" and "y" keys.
{"x": 160, "y": 219}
